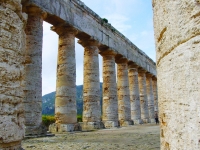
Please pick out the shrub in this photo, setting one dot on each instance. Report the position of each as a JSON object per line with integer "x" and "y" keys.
{"x": 79, "y": 118}
{"x": 105, "y": 20}
{"x": 47, "y": 120}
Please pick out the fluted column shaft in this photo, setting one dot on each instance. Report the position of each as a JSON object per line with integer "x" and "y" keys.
{"x": 150, "y": 97}
{"x": 134, "y": 95}
{"x": 91, "y": 86}
{"x": 155, "y": 93}
{"x": 12, "y": 43}
{"x": 124, "y": 107}
{"x": 65, "y": 103}
{"x": 33, "y": 72}
{"x": 143, "y": 96}
{"x": 110, "y": 104}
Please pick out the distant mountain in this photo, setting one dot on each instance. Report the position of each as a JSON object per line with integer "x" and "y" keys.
{"x": 48, "y": 101}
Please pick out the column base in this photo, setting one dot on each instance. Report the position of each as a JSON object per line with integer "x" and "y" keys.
{"x": 110, "y": 124}
{"x": 35, "y": 130}
{"x": 138, "y": 121}
{"x": 145, "y": 120}
{"x": 152, "y": 121}
{"x": 88, "y": 126}
{"x": 60, "y": 128}
{"x": 11, "y": 146}
{"x": 125, "y": 123}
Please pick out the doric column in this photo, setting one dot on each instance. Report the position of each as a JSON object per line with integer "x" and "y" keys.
{"x": 91, "y": 86}
{"x": 124, "y": 107}
{"x": 143, "y": 96}
{"x": 155, "y": 93}
{"x": 134, "y": 94}
{"x": 12, "y": 50}
{"x": 150, "y": 97}
{"x": 33, "y": 72}
{"x": 177, "y": 39}
{"x": 110, "y": 104}
{"x": 65, "y": 103}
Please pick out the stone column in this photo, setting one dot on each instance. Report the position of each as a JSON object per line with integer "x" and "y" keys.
{"x": 177, "y": 37}
{"x": 143, "y": 96}
{"x": 12, "y": 50}
{"x": 110, "y": 104}
{"x": 33, "y": 72}
{"x": 134, "y": 94}
{"x": 155, "y": 94}
{"x": 124, "y": 106}
{"x": 65, "y": 103}
{"x": 150, "y": 97}
{"x": 91, "y": 86}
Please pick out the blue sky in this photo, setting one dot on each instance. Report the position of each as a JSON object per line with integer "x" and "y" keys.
{"x": 133, "y": 18}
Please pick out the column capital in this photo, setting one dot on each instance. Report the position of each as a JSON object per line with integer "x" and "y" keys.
{"x": 107, "y": 52}
{"x": 149, "y": 75}
{"x": 132, "y": 65}
{"x": 120, "y": 59}
{"x": 154, "y": 78}
{"x": 89, "y": 42}
{"x": 64, "y": 29}
{"x": 141, "y": 70}
{"x": 35, "y": 11}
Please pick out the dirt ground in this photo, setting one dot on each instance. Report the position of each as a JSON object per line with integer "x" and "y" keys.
{"x": 137, "y": 137}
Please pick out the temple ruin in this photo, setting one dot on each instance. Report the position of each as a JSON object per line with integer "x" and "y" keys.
{"x": 129, "y": 95}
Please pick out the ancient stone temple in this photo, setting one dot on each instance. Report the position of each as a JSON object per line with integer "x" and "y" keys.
{"x": 129, "y": 75}
{"x": 177, "y": 36}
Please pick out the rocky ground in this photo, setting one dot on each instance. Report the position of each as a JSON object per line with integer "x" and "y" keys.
{"x": 137, "y": 137}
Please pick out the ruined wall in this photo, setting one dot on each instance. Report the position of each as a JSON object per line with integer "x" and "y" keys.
{"x": 12, "y": 50}
{"x": 177, "y": 36}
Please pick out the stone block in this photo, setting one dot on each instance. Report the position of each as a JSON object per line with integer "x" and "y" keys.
{"x": 138, "y": 121}
{"x": 111, "y": 124}
{"x": 126, "y": 123}
{"x": 60, "y": 128}
{"x": 40, "y": 130}
{"x": 88, "y": 126}
{"x": 145, "y": 120}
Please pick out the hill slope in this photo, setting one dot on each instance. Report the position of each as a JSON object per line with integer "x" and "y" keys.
{"x": 48, "y": 101}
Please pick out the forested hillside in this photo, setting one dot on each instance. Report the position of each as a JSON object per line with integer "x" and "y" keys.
{"x": 48, "y": 101}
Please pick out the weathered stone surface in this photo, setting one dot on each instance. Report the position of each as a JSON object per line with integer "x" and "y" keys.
{"x": 150, "y": 97}
{"x": 91, "y": 85}
{"x": 124, "y": 107}
{"x": 134, "y": 94}
{"x": 65, "y": 103}
{"x": 177, "y": 30}
{"x": 59, "y": 12}
{"x": 110, "y": 104}
{"x": 33, "y": 72}
{"x": 12, "y": 50}
{"x": 155, "y": 94}
{"x": 81, "y": 17}
{"x": 60, "y": 128}
{"x": 143, "y": 96}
